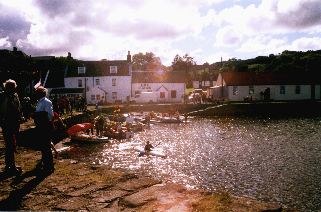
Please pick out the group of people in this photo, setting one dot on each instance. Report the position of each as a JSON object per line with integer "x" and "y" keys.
{"x": 10, "y": 118}
{"x": 66, "y": 105}
{"x": 115, "y": 127}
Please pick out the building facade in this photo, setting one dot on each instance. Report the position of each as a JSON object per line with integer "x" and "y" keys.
{"x": 169, "y": 87}
{"x": 240, "y": 86}
{"x": 103, "y": 81}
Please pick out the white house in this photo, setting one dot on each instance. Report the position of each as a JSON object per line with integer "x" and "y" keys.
{"x": 203, "y": 84}
{"x": 103, "y": 81}
{"x": 168, "y": 86}
{"x": 238, "y": 86}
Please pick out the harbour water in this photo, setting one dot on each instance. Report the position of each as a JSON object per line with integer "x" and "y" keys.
{"x": 267, "y": 159}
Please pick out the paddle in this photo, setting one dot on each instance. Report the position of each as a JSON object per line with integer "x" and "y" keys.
{"x": 157, "y": 144}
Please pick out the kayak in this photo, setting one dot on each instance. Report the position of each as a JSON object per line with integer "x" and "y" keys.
{"x": 154, "y": 152}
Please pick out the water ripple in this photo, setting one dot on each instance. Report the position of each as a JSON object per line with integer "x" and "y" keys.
{"x": 275, "y": 160}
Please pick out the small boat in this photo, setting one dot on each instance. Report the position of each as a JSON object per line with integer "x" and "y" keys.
{"x": 88, "y": 138}
{"x": 154, "y": 152}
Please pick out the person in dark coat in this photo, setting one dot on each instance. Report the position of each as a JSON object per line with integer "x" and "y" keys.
{"x": 148, "y": 147}
{"x": 10, "y": 117}
{"x": 43, "y": 120}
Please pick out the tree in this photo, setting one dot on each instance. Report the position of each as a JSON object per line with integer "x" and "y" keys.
{"x": 184, "y": 64}
{"x": 16, "y": 65}
{"x": 146, "y": 62}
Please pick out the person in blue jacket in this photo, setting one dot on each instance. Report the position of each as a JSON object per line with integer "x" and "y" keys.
{"x": 44, "y": 126}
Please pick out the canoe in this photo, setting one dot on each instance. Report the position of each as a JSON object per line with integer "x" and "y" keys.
{"x": 154, "y": 152}
{"x": 88, "y": 138}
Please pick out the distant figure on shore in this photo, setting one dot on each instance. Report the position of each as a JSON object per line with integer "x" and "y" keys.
{"x": 147, "y": 119}
{"x": 185, "y": 116}
{"x": 26, "y": 108}
{"x": 10, "y": 117}
{"x": 100, "y": 124}
{"x": 43, "y": 120}
{"x": 148, "y": 147}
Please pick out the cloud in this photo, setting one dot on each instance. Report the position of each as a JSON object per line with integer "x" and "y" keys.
{"x": 102, "y": 29}
{"x": 216, "y": 57}
{"x": 306, "y": 43}
{"x": 143, "y": 30}
{"x": 268, "y": 27}
{"x": 5, "y": 43}
{"x": 272, "y": 17}
{"x": 108, "y": 29}
{"x": 263, "y": 44}
{"x": 298, "y": 14}
{"x": 228, "y": 37}
{"x": 13, "y": 25}
{"x": 54, "y": 8}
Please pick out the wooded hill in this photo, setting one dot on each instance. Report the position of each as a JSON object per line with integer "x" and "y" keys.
{"x": 287, "y": 61}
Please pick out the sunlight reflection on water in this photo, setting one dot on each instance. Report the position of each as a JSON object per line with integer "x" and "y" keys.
{"x": 275, "y": 160}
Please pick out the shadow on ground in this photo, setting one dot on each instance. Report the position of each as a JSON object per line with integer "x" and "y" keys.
{"x": 22, "y": 186}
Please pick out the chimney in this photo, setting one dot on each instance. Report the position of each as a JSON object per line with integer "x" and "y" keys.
{"x": 69, "y": 55}
{"x": 15, "y": 49}
{"x": 129, "y": 57}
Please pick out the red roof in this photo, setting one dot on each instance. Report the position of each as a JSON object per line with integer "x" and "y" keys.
{"x": 271, "y": 78}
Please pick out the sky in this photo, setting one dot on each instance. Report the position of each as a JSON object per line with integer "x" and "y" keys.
{"x": 205, "y": 29}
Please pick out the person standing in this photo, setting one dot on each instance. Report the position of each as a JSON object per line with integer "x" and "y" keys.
{"x": 43, "y": 120}
{"x": 10, "y": 116}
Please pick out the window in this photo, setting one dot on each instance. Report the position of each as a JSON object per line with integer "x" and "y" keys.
{"x": 114, "y": 95}
{"x": 235, "y": 90}
{"x": 113, "y": 69}
{"x": 113, "y": 82}
{"x": 173, "y": 93}
{"x": 145, "y": 86}
{"x": 251, "y": 89}
{"x": 282, "y": 89}
{"x": 162, "y": 95}
{"x": 92, "y": 97}
{"x": 297, "y": 89}
{"x": 81, "y": 70}
{"x": 97, "y": 81}
{"x": 97, "y": 97}
{"x": 80, "y": 83}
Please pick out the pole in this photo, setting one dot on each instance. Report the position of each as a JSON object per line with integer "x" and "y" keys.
{"x": 85, "y": 90}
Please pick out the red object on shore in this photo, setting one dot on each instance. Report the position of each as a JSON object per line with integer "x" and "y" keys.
{"x": 79, "y": 127}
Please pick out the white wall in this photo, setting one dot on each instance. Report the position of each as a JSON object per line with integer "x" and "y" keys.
{"x": 305, "y": 93}
{"x": 179, "y": 87}
{"x": 122, "y": 87}
{"x": 243, "y": 91}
